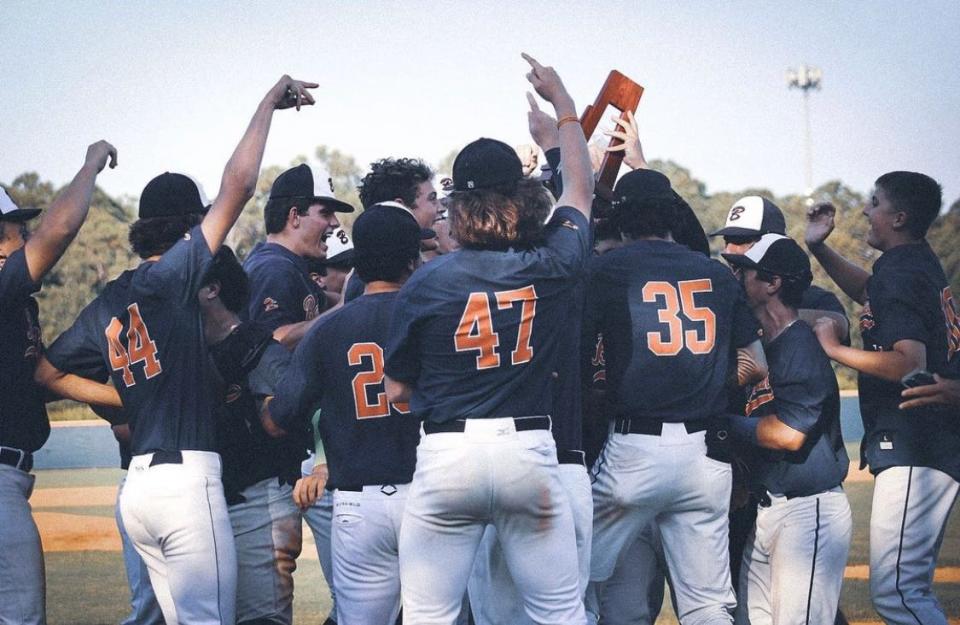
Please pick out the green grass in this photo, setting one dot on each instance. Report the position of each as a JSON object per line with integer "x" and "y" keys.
{"x": 66, "y": 410}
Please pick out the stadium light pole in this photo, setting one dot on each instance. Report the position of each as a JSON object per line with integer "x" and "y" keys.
{"x": 806, "y": 79}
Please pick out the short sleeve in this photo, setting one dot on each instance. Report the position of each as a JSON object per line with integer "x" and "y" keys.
{"x": 897, "y": 308}
{"x": 265, "y": 378}
{"x": 567, "y": 242}
{"x": 77, "y": 349}
{"x": 15, "y": 282}
{"x": 277, "y": 297}
{"x": 402, "y": 353}
{"x": 181, "y": 269}
{"x": 815, "y": 298}
{"x": 800, "y": 388}
{"x": 745, "y": 328}
{"x": 299, "y": 387}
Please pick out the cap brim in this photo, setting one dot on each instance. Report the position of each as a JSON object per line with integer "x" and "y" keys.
{"x": 332, "y": 203}
{"x": 343, "y": 258}
{"x": 736, "y": 232}
{"x": 21, "y": 214}
{"x": 740, "y": 260}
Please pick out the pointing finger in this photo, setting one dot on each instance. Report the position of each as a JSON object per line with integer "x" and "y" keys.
{"x": 533, "y": 102}
{"x": 532, "y": 61}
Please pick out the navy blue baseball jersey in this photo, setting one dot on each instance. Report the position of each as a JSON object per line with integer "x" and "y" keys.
{"x": 477, "y": 333}
{"x": 23, "y": 415}
{"x": 338, "y": 366}
{"x": 908, "y": 298}
{"x": 353, "y": 289}
{"x": 281, "y": 289}
{"x": 669, "y": 319}
{"x": 250, "y": 364}
{"x": 147, "y": 330}
{"x": 802, "y": 391}
{"x": 568, "y": 404}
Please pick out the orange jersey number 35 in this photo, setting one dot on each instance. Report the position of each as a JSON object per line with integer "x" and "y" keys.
{"x": 674, "y": 299}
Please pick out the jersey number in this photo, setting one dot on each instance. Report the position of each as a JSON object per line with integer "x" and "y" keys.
{"x": 475, "y": 331}
{"x": 373, "y": 377}
{"x": 676, "y": 298}
{"x": 140, "y": 347}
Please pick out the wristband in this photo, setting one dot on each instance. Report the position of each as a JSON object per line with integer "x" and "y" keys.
{"x": 567, "y": 118}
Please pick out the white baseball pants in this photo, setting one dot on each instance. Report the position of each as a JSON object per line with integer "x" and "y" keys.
{"x": 907, "y": 521}
{"x": 22, "y": 580}
{"x": 494, "y": 597}
{"x": 794, "y": 561}
{"x": 267, "y": 532}
{"x": 176, "y": 516}
{"x": 319, "y": 518}
{"x": 366, "y": 566}
{"x": 488, "y": 474}
{"x": 634, "y": 593}
{"x": 668, "y": 479}
{"x": 144, "y": 609}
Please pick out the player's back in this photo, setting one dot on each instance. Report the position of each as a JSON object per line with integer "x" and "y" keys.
{"x": 157, "y": 353}
{"x": 668, "y": 317}
{"x": 478, "y": 331}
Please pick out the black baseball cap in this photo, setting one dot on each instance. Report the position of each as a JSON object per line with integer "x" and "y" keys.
{"x": 486, "y": 164}
{"x": 774, "y": 254}
{"x": 753, "y": 216}
{"x": 385, "y": 229}
{"x": 303, "y": 182}
{"x": 641, "y": 183}
{"x": 9, "y": 211}
{"x": 169, "y": 195}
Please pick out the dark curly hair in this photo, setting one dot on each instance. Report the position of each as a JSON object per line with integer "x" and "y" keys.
{"x": 500, "y": 218}
{"x": 392, "y": 178}
{"x": 155, "y": 235}
{"x": 650, "y": 215}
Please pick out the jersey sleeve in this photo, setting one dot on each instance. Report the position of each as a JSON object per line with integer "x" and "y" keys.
{"x": 402, "y": 351}
{"x": 897, "y": 308}
{"x": 746, "y": 328}
{"x": 300, "y": 386}
{"x": 816, "y": 298}
{"x": 800, "y": 391}
{"x": 181, "y": 268}
{"x": 354, "y": 289}
{"x": 77, "y": 349}
{"x": 15, "y": 282}
{"x": 265, "y": 378}
{"x": 567, "y": 242}
{"x": 277, "y": 294}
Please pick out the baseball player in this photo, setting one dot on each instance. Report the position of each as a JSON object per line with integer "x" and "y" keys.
{"x": 145, "y": 326}
{"x": 370, "y": 443}
{"x": 909, "y": 321}
{"x": 795, "y": 557}
{"x": 299, "y": 217}
{"x": 473, "y": 345}
{"x": 669, "y": 317}
{"x": 24, "y": 261}
{"x": 258, "y": 471}
{"x": 409, "y": 183}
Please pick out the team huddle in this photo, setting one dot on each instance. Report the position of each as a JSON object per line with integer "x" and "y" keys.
{"x": 515, "y": 399}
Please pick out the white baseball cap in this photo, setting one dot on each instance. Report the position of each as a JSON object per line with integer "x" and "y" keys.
{"x": 339, "y": 248}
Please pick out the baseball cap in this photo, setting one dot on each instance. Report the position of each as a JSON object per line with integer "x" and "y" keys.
{"x": 339, "y": 248}
{"x": 642, "y": 183}
{"x": 752, "y": 216}
{"x": 314, "y": 183}
{"x": 774, "y": 254}
{"x": 387, "y": 228}
{"x": 484, "y": 164}
{"x": 9, "y": 211}
{"x": 169, "y": 195}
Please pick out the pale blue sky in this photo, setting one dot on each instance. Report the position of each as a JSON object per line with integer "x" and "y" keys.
{"x": 172, "y": 84}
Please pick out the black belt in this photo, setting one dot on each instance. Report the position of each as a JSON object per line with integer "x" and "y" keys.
{"x": 571, "y": 456}
{"x": 166, "y": 457}
{"x": 764, "y": 501}
{"x": 386, "y": 489}
{"x": 522, "y": 424}
{"x": 16, "y": 458}
{"x": 653, "y": 427}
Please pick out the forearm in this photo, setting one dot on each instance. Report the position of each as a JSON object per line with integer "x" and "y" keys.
{"x": 70, "y": 386}
{"x": 890, "y": 365}
{"x": 851, "y": 279}
{"x": 61, "y": 223}
{"x": 578, "y": 181}
{"x": 291, "y": 334}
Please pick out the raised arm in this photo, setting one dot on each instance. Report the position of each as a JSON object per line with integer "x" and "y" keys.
{"x": 578, "y": 181}
{"x": 240, "y": 175}
{"x": 67, "y": 213}
{"x": 851, "y": 279}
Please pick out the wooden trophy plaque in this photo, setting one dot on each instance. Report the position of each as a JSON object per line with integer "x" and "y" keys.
{"x": 624, "y": 95}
